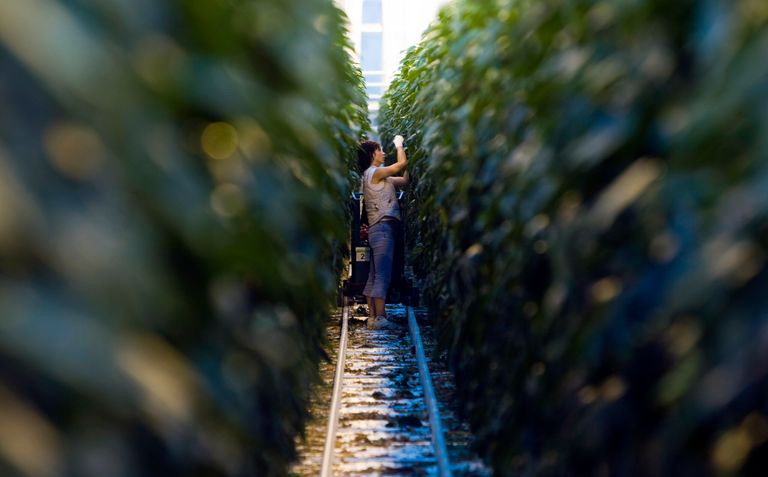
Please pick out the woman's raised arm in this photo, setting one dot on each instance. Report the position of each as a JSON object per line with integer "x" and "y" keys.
{"x": 402, "y": 161}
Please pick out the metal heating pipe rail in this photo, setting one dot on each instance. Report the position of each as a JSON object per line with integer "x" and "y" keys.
{"x": 333, "y": 417}
{"x": 438, "y": 437}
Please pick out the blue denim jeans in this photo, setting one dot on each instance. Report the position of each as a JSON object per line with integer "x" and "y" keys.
{"x": 381, "y": 237}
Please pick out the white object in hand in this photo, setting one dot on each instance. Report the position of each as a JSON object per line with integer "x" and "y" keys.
{"x": 398, "y": 141}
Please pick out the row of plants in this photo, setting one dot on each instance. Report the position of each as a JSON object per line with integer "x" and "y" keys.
{"x": 171, "y": 232}
{"x": 588, "y": 215}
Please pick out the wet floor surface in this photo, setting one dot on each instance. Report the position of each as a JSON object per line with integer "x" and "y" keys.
{"x": 383, "y": 422}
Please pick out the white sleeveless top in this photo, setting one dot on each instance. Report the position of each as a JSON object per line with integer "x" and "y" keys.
{"x": 380, "y": 199}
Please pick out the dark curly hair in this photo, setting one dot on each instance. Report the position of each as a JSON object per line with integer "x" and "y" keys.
{"x": 365, "y": 152}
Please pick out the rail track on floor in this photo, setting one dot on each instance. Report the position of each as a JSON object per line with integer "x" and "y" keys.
{"x": 384, "y": 411}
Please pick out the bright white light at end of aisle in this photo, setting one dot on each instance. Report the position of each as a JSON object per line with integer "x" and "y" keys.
{"x": 382, "y": 30}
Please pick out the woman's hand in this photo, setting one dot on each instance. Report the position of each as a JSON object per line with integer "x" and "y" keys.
{"x": 382, "y": 173}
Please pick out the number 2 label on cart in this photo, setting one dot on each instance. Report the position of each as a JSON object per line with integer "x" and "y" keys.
{"x": 362, "y": 254}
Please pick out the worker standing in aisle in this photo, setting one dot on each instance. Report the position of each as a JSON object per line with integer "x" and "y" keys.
{"x": 384, "y": 221}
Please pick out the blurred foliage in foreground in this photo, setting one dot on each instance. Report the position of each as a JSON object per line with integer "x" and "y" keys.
{"x": 590, "y": 179}
{"x": 172, "y": 177}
